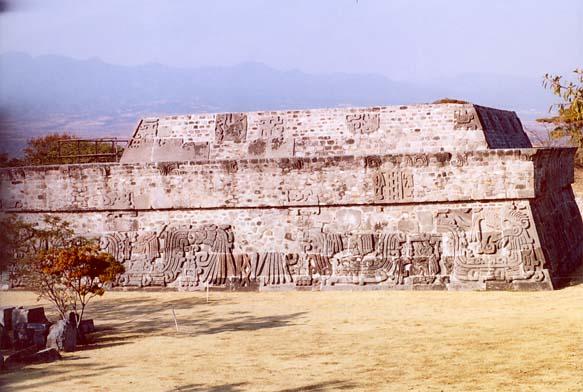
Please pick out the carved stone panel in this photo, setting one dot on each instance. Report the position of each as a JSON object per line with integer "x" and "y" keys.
{"x": 484, "y": 246}
{"x": 147, "y": 129}
{"x": 271, "y": 128}
{"x": 466, "y": 119}
{"x": 363, "y": 123}
{"x": 272, "y": 142}
{"x": 231, "y": 127}
{"x": 393, "y": 185}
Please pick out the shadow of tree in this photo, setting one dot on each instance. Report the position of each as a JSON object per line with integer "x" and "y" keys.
{"x": 336, "y": 385}
{"x": 219, "y": 388}
{"x": 16, "y": 376}
{"x": 123, "y": 321}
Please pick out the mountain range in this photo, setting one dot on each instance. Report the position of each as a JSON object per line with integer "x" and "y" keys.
{"x": 92, "y": 98}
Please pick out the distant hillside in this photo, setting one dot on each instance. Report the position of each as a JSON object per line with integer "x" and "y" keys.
{"x": 93, "y": 98}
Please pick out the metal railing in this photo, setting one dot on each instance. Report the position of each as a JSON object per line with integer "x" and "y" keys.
{"x": 113, "y": 154}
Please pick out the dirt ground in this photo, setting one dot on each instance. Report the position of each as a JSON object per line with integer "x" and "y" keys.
{"x": 322, "y": 341}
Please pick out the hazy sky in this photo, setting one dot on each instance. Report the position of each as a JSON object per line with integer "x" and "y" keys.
{"x": 409, "y": 40}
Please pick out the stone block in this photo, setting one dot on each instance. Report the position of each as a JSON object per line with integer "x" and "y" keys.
{"x": 62, "y": 336}
{"x": 29, "y": 315}
{"x": 5, "y": 341}
{"x": 37, "y": 333}
{"x": 21, "y": 336}
{"x": 45, "y": 355}
{"x": 87, "y": 326}
{"x": 6, "y": 317}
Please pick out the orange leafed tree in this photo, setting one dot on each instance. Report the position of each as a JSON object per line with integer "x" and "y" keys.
{"x": 71, "y": 276}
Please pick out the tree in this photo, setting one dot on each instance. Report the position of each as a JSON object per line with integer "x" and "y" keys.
{"x": 63, "y": 148}
{"x": 66, "y": 270}
{"x": 568, "y": 122}
{"x": 7, "y": 161}
{"x": 71, "y": 276}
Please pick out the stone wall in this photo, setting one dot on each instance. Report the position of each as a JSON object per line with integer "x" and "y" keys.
{"x": 324, "y": 132}
{"x": 417, "y": 197}
{"x": 279, "y": 182}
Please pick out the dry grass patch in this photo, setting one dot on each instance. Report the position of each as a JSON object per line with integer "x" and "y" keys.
{"x": 296, "y": 341}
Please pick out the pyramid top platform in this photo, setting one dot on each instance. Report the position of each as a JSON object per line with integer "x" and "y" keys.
{"x": 381, "y": 130}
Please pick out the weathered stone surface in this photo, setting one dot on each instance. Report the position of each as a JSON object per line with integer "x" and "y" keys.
{"x": 87, "y": 326}
{"x": 6, "y": 317}
{"x": 5, "y": 341}
{"x": 29, "y": 315}
{"x": 21, "y": 336}
{"x": 21, "y": 356}
{"x": 38, "y": 333}
{"x": 409, "y": 197}
{"x": 62, "y": 336}
{"x": 46, "y": 355}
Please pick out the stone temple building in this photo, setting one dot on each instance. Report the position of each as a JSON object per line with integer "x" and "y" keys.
{"x": 441, "y": 196}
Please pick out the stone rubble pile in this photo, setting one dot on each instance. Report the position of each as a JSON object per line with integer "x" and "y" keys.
{"x": 27, "y": 336}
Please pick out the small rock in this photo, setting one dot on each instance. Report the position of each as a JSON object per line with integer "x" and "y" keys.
{"x": 21, "y": 337}
{"x": 29, "y": 315}
{"x": 37, "y": 333}
{"x": 46, "y": 355}
{"x": 5, "y": 342}
{"x": 62, "y": 336}
{"x": 6, "y": 317}
{"x": 87, "y": 326}
{"x": 20, "y": 356}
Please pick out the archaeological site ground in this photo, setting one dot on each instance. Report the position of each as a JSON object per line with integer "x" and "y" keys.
{"x": 327, "y": 341}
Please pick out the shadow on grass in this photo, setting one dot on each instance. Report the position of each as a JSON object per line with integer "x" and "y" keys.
{"x": 14, "y": 377}
{"x": 124, "y": 321}
{"x": 219, "y": 388}
{"x": 335, "y": 385}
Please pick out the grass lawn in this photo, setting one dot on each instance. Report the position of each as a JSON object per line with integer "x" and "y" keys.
{"x": 302, "y": 341}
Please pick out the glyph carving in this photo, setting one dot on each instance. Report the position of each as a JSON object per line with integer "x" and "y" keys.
{"x": 393, "y": 185}
{"x": 466, "y": 119}
{"x": 363, "y": 123}
{"x": 271, "y": 128}
{"x": 231, "y": 127}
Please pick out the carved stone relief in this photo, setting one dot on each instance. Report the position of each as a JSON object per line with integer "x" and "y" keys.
{"x": 363, "y": 123}
{"x": 415, "y": 160}
{"x": 503, "y": 250}
{"x": 393, "y": 185}
{"x": 147, "y": 129}
{"x": 231, "y": 127}
{"x": 271, "y": 128}
{"x": 272, "y": 142}
{"x": 466, "y": 119}
{"x": 10, "y": 204}
{"x": 372, "y": 162}
{"x": 463, "y": 245}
